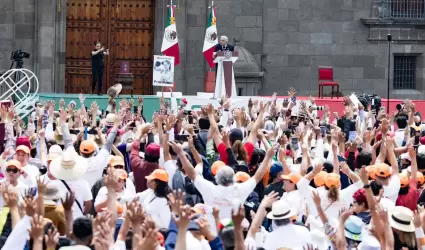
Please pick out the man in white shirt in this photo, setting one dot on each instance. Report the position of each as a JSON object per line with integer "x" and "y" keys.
{"x": 67, "y": 169}
{"x": 13, "y": 173}
{"x": 285, "y": 234}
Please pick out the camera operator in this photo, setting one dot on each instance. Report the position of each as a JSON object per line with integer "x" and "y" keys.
{"x": 98, "y": 66}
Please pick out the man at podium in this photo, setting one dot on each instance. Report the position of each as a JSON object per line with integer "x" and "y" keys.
{"x": 224, "y": 57}
{"x": 222, "y": 46}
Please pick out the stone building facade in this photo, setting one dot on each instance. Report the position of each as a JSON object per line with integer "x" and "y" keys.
{"x": 283, "y": 42}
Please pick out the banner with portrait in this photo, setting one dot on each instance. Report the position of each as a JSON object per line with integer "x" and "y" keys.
{"x": 163, "y": 71}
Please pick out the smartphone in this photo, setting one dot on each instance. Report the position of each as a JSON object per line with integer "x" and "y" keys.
{"x": 294, "y": 143}
{"x": 182, "y": 137}
{"x": 341, "y": 159}
{"x": 352, "y": 135}
{"x": 5, "y": 103}
{"x": 190, "y": 119}
{"x": 187, "y": 112}
{"x": 294, "y": 99}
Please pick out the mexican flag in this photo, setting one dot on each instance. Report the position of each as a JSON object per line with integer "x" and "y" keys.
{"x": 170, "y": 44}
{"x": 210, "y": 39}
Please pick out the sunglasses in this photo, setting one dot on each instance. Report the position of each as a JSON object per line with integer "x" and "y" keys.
{"x": 119, "y": 167}
{"x": 12, "y": 170}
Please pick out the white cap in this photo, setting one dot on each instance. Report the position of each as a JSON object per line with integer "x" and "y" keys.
{"x": 406, "y": 156}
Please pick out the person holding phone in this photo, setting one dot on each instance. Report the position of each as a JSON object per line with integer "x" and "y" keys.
{"x": 98, "y": 66}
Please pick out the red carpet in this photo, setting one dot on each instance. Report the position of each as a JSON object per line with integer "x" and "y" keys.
{"x": 336, "y": 105}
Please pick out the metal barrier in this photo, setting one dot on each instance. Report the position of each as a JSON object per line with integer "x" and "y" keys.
{"x": 401, "y": 9}
{"x": 21, "y": 85}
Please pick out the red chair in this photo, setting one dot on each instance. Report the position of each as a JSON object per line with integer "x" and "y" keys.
{"x": 326, "y": 78}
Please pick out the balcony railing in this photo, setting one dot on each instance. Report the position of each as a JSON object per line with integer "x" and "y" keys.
{"x": 401, "y": 9}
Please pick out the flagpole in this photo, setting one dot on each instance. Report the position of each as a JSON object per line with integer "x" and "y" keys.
{"x": 212, "y": 9}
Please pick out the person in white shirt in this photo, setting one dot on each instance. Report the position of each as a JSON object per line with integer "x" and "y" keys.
{"x": 123, "y": 194}
{"x": 29, "y": 172}
{"x": 292, "y": 195}
{"x": 13, "y": 173}
{"x": 285, "y": 234}
{"x": 66, "y": 169}
{"x": 227, "y": 194}
{"x": 154, "y": 199}
{"x": 389, "y": 179}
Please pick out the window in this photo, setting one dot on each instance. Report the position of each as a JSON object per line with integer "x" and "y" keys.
{"x": 404, "y": 72}
{"x": 402, "y": 9}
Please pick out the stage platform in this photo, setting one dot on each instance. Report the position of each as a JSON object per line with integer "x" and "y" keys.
{"x": 151, "y": 102}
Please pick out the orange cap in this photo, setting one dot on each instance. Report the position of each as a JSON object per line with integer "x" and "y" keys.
{"x": 122, "y": 174}
{"x": 87, "y": 147}
{"x": 23, "y": 148}
{"x": 332, "y": 180}
{"x": 158, "y": 174}
{"x": 404, "y": 180}
{"x": 116, "y": 161}
{"x": 295, "y": 178}
{"x": 319, "y": 179}
{"x": 241, "y": 177}
{"x": 215, "y": 166}
{"x": 14, "y": 163}
{"x": 371, "y": 170}
{"x": 420, "y": 178}
{"x": 383, "y": 170}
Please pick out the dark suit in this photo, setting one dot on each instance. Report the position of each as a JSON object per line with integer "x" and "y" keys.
{"x": 228, "y": 47}
{"x": 219, "y": 47}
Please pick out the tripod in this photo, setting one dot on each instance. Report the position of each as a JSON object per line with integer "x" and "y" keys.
{"x": 17, "y": 75}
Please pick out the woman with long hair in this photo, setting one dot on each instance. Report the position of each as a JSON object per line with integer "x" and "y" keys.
{"x": 154, "y": 199}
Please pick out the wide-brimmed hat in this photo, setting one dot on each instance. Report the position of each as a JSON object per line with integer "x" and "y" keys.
{"x": 401, "y": 218}
{"x": 353, "y": 228}
{"x": 280, "y": 210}
{"x": 69, "y": 166}
{"x": 52, "y": 194}
{"x": 369, "y": 242}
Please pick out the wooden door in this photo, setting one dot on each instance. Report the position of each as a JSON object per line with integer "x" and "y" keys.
{"x": 126, "y": 27}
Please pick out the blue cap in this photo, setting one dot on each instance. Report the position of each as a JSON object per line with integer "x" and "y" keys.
{"x": 276, "y": 168}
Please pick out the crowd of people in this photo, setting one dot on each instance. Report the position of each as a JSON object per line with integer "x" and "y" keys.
{"x": 261, "y": 177}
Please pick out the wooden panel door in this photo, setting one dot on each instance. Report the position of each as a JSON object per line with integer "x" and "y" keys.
{"x": 132, "y": 39}
{"x": 126, "y": 27}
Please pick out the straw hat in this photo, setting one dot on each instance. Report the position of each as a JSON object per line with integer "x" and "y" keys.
{"x": 69, "y": 166}
{"x": 280, "y": 210}
{"x": 401, "y": 218}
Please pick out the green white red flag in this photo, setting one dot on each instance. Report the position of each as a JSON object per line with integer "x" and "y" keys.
{"x": 170, "y": 44}
{"x": 210, "y": 40}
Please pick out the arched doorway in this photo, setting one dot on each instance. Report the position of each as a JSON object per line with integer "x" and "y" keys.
{"x": 126, "y": 27}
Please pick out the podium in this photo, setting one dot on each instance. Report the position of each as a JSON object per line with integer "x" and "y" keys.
{"x": 225, "y": 79}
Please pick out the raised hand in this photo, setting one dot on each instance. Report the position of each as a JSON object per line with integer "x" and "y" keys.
{"x": 182, "y": 220}
{"x": 30, "y": 205}
{"x": 51, "y": 239}
{"x": 10, "y": 197}
{"x": 177, "y": 148}
{"x": 41, "y": 184}
{"x": 291, "y": 92}
{"x": 69, "y": 201}
{"x": 176, "y": 200}
{"x": 37, "y": 227}
{"x": 269, "y": 199}
{"x": 111, "y": 179}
